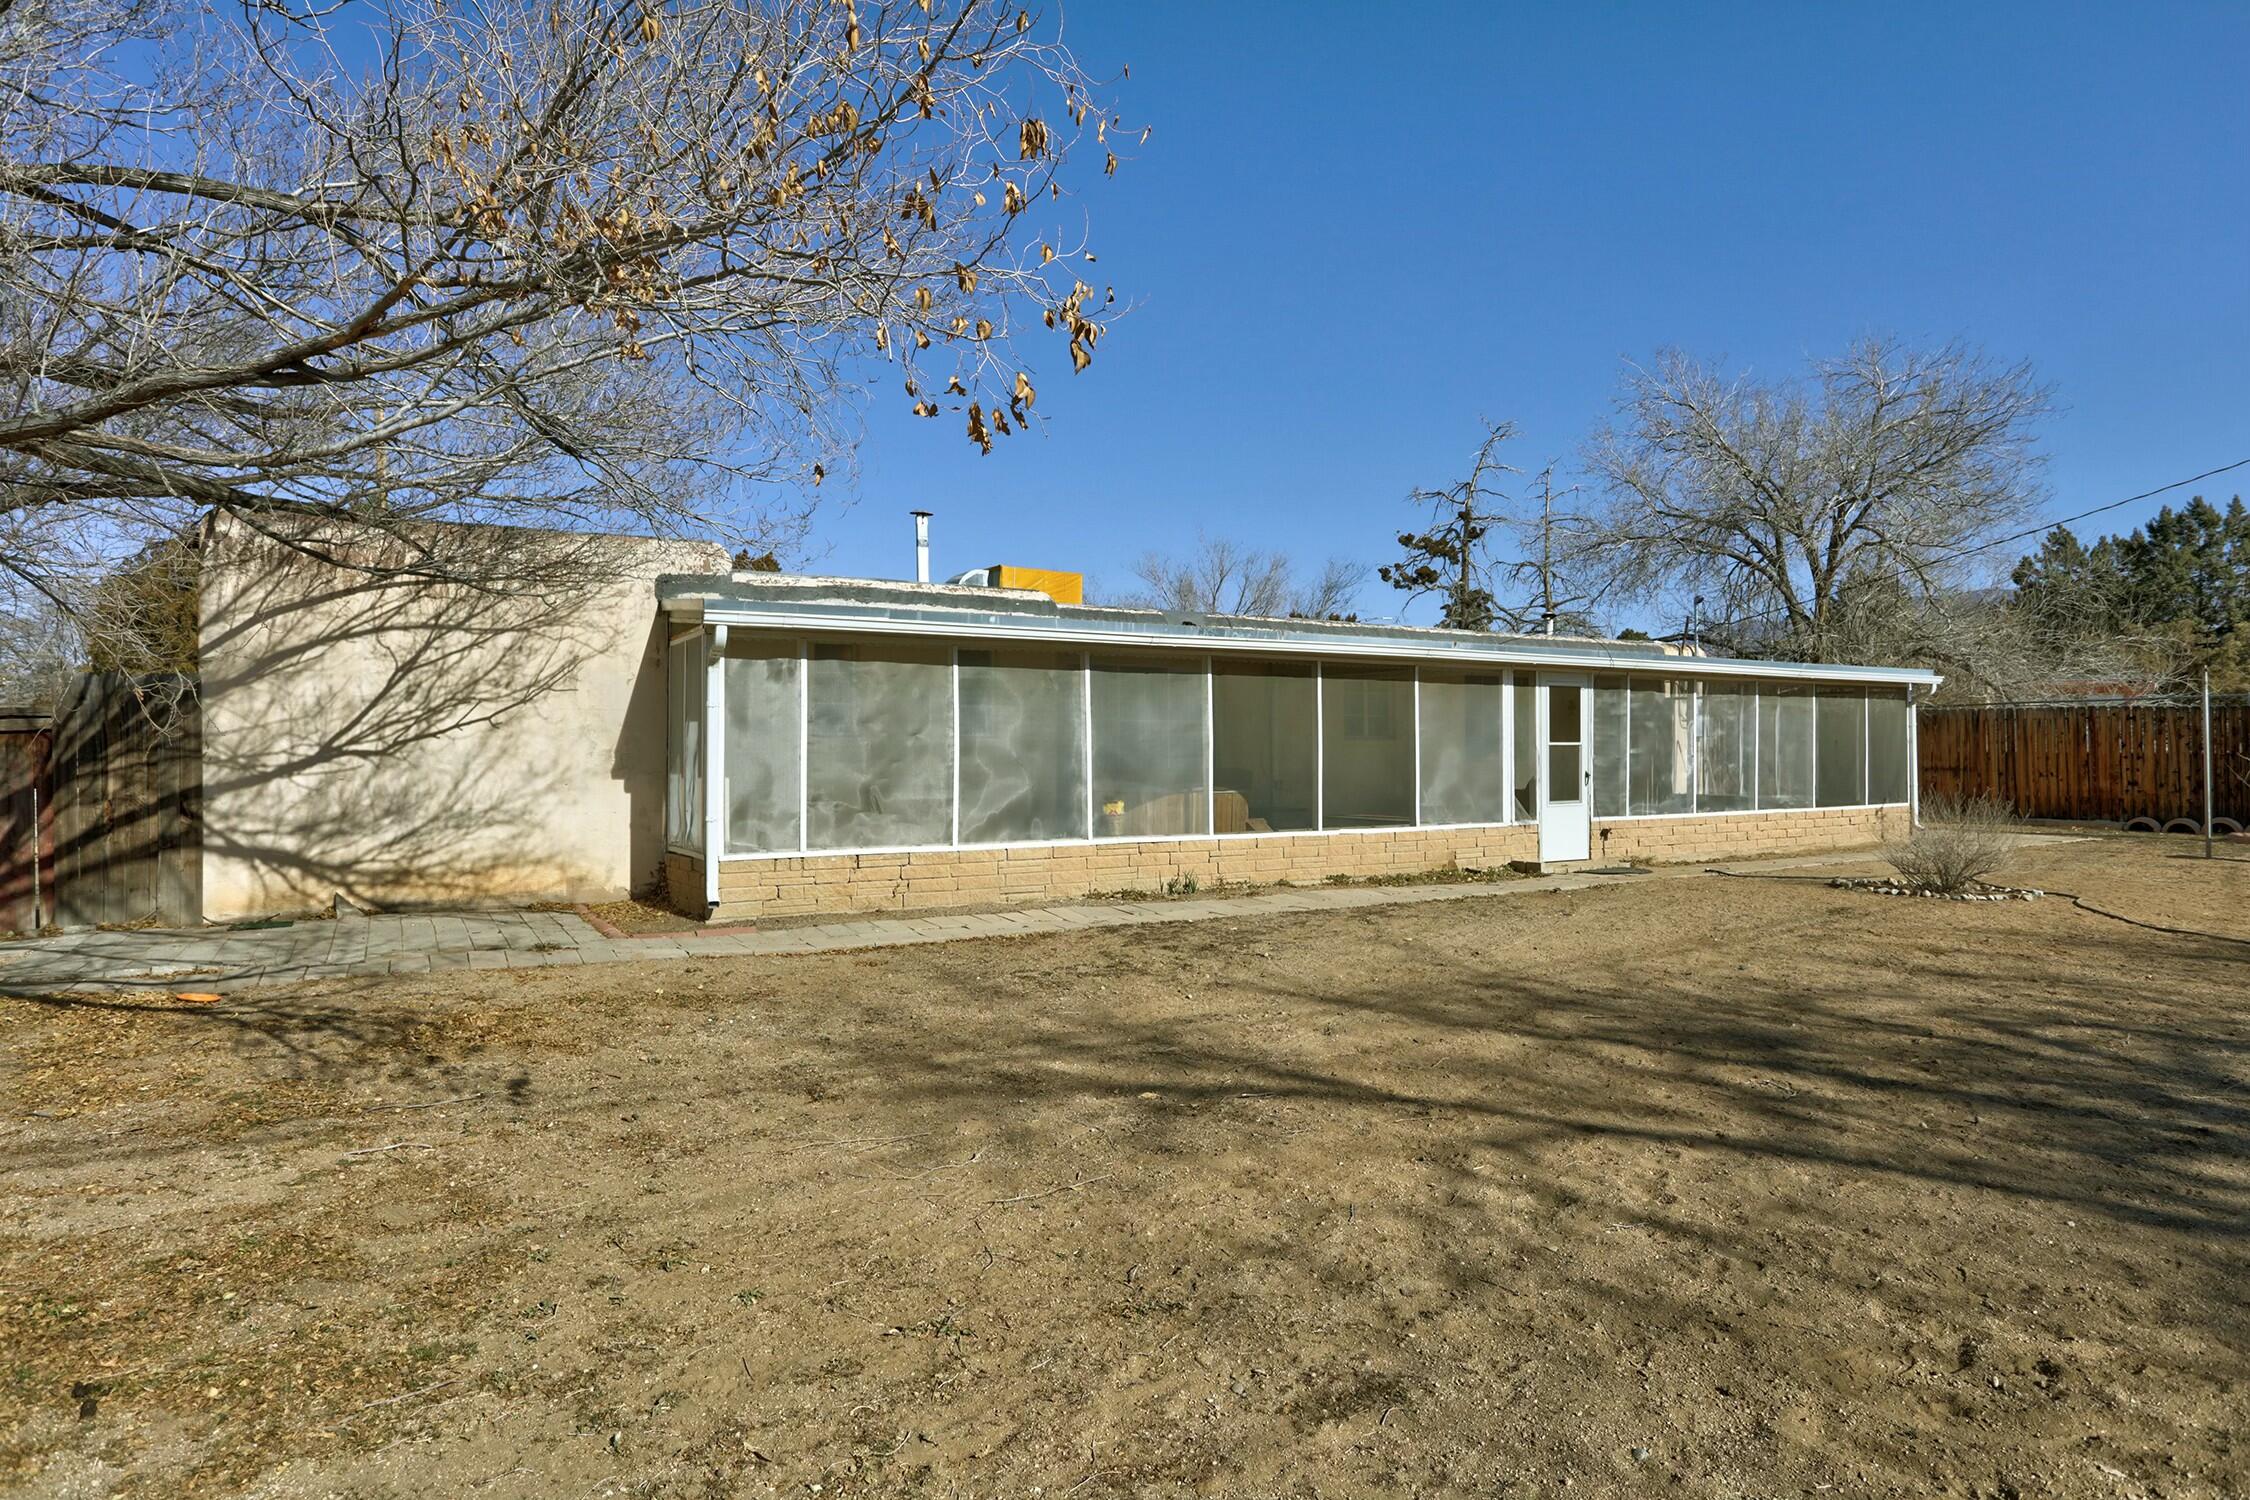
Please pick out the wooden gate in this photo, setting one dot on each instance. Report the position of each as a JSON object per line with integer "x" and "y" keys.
{"x": 126, "y": 767}
{"x": 2091, "y": 762}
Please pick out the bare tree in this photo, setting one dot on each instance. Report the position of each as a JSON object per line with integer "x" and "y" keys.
{"x": 1797, "y": 507}
{"x": 563, "y": 263}
{"x": 1455, "y": 559}
{"x": 1330, "y": 593}
{"x": 1970, "y": 634}
{"x": 1556, "y": 602}
{"x": 1224, "y": 577}
{"x": 36, "y": 655}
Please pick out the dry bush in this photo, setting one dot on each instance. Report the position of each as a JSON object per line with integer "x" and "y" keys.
{"x": 1960, "y": 841}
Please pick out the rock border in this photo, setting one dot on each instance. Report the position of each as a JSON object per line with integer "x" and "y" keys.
{"x": 1886, "y": 886}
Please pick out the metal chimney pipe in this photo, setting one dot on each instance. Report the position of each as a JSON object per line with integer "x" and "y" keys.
{"x": 921, "y": 546}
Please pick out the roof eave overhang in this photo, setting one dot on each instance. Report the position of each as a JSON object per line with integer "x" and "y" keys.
{"x": 1468, "y": 651}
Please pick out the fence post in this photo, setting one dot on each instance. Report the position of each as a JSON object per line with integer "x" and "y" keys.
{"x": 2206, "y": 762}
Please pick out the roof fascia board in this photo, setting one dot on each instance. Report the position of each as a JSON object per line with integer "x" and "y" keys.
{"x": 1561, "y": 658}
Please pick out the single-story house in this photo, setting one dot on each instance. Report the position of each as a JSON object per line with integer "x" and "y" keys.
{"x": 761, "y": 744}
{"x": 846, "y": 744}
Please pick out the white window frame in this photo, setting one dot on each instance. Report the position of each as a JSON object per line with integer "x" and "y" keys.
{"x": 1511, "y": 679}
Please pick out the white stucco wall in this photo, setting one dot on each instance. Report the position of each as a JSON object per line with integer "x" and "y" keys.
{"x": 411, "y": 744}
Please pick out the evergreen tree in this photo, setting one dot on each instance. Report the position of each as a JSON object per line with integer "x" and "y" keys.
{"x": 2173, "y": 594}
{"x": 2192, "y": 564}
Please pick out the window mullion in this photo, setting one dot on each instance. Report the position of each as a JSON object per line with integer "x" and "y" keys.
{"x": 954, "y": 670}
{"x": 804, "y": 746}
{"x": 1210, "y": 772}
{"x": 1086, "y": 747}
{"x": 1416, "y": 756}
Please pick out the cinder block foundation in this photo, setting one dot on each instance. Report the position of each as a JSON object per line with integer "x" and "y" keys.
{"x": 840, "y": 883}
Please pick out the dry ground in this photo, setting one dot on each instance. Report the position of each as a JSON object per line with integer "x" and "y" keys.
{"x": 1688, "y": 1187}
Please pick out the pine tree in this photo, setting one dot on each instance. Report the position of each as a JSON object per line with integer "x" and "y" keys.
{"x": 2175, "y": 591}
{"x": 1450, "y": 559}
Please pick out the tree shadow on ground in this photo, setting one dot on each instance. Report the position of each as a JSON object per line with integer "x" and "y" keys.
{"x": 2063, "y": 1088}
{"x": 1811, "y": 1145}
{"x": 330, "y": 1032}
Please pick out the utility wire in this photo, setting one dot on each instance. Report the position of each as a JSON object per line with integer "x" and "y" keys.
{"x": 2016, "y": 536}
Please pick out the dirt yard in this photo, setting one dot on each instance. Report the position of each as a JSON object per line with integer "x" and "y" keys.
{"x": 1698, "y": 1187}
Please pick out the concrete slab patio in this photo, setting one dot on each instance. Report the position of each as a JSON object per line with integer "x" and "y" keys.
{"x": 355, "y": 946}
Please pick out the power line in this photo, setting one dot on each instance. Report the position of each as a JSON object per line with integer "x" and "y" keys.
{"x": 2039, "y": 530}
{"x": 2046, "y": 526}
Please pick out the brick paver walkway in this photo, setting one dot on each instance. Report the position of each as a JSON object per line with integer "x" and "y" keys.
{"x": 421, "y": 943}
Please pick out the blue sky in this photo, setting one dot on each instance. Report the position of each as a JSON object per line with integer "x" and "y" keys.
{"x": 1357, "y": 230}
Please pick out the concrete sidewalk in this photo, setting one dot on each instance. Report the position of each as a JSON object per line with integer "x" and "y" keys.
{"x": 353, "y": 947}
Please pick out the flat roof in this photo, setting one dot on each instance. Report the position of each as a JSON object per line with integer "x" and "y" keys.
{"x": 798, "y": 604}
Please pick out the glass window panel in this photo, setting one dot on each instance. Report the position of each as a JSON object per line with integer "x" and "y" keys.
{"x": 1890, "y": 764}
{"x": 762, "y": 746}
{"x": 1785, "y": 746}
{"x": 1148, "y": 748}
{"x": 1840, "y": 763}
{"x": 1367, "y": 747}
{"x": 880, "y": 772}
{"x": 1563, "y": 713}
{"x": 683, "y": 772}
{"x": 1725, "y": 741}
{"x": 1264, "y": 747}
{"x": 1609, "y": 746}
{"x": 1023, "y": 746}
{"x": 1526, "y": 749}
{"x": 1662, "y": 755}
{"x": 1463, "y": 780}
{"x": 1563, "y": 766}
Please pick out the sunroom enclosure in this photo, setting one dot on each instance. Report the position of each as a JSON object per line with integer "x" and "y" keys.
{"x": 802, "y": 745}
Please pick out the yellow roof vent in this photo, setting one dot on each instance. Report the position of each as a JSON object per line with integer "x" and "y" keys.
{"x": 1063, "y": 588}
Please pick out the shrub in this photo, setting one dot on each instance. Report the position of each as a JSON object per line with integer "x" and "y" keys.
{"x": 1961, "y": 840}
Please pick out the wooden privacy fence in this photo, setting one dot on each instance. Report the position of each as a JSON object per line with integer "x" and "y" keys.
{"x": 2092, "y": 762}
{"x": 27, "y": 822}
{"x": 118, "y": 778}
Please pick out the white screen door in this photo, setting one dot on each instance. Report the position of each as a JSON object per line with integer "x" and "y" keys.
{"x": 1566, "y": 828}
